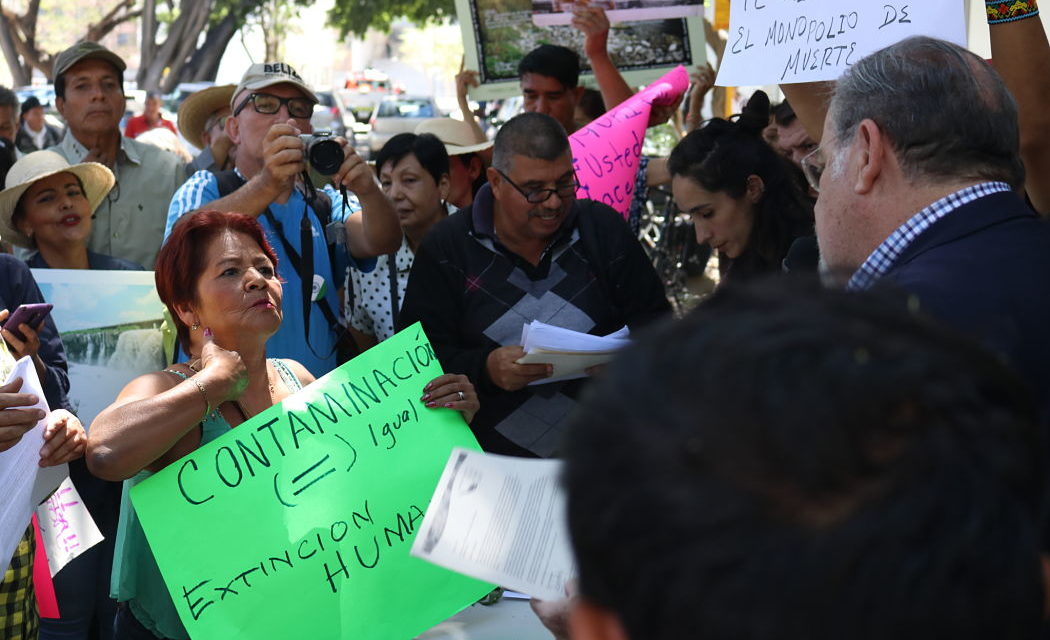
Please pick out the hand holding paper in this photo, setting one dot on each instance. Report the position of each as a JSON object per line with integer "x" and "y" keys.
{"x": 23, "y": 484}
{"x": 570, "y": 354}
{"x": 15, "y": 418}
{"x": 508, "y": 369}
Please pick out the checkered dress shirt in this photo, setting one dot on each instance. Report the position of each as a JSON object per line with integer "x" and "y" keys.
{"x": 886, "y": 254}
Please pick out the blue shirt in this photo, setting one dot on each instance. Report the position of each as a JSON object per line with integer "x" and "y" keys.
{"x": 319, "y": 355}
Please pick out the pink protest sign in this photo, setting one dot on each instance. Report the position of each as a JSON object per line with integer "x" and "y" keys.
{"x": 66, "y": 526}
{"x": 46, "y": 602}
{"x": 605, "y": 153}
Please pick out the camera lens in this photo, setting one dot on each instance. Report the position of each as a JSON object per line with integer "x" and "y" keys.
{"x": 326, "y": 156}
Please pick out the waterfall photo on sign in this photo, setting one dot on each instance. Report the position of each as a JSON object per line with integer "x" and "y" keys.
{"x": 110, "y": 324}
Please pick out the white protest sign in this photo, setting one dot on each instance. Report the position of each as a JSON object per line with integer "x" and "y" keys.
{"x": 789, "y": 41}
{"x": 502, "y": 520}
{"x": 66, "y": 527}
{"x": 23, "y": 484}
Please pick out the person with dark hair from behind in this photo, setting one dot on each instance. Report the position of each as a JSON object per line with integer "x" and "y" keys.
{"x": 740, "y": 194}
{"x": 526, "y": 250}
{"x": 837, "y": 468}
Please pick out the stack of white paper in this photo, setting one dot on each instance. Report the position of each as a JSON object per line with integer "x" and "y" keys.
{"x": 571, "y": 352}
{"x": 23, "y": 484}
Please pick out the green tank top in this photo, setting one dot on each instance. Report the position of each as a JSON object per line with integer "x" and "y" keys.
{"x": 136, "y": 579}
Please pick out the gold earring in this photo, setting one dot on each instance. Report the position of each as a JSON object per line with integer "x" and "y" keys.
{"x": 194, "y": 326}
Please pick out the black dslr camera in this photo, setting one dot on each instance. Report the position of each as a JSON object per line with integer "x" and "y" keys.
{"x": 323, "y": 153}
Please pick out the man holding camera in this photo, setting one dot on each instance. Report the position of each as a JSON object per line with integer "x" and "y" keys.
{"x": 270, "y": 120}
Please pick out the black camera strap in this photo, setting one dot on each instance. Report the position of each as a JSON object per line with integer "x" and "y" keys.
{"x": 228, "y": 182}
{"x": 395, "y": 303}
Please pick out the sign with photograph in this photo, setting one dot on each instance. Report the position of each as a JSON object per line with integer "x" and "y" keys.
{"x": 110, "y": 324}
{"x": 550, "y": 12}
{"x": 498, "y": 33}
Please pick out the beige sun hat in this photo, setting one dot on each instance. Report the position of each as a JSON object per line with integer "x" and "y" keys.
{"x": 96, "y": 178}
{"x": 457, "y": 135}
{"x": 198, "y": 107}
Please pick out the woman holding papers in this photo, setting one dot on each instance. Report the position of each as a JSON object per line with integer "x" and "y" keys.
{"x": 217, "y": 275}
{"x": 739, "y": 192}
{"x": 64, "y": 437}
{"x": 414, "y": 173}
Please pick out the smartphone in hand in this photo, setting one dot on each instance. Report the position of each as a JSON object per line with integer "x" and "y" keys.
{"x": 28, "y": 314}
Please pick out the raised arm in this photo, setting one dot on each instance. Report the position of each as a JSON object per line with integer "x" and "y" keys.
{"x": 375, "y": 230}
{"x": 595, "y": 27}
{"x": 464, "y": 80}
{"x": 703, "y": 80}
{"x": 154, "y": 419}
{"x": 1021, "y": 55}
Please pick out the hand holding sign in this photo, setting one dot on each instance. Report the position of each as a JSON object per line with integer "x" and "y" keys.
{"x": 312, "y": 505}
{"x": 605, "y": 153}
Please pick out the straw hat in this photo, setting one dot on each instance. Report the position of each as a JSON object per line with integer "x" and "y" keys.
{"x": 198, "y": 107}
{"x": 96, "y": 178}
{"x": 457, "y": 135}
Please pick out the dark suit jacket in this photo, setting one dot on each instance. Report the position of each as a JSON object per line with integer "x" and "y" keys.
{"x": 985, "y": 270}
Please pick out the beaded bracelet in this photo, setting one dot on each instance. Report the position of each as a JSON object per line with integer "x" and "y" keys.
{"x": 1000, "y": 11}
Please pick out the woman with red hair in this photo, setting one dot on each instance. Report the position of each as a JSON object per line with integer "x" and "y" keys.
{"x": 217, "y": 275}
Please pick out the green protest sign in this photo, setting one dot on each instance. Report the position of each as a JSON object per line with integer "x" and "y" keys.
{"x": 298, "y": 523}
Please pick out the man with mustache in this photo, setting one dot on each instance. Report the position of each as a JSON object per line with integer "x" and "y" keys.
{"x": 525, "y": 250}
{"x": 89, "y": 93}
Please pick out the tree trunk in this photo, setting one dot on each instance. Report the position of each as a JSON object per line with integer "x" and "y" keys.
{"x": 149, "y": 33}
{"x": 204, "y": 64}
{"x": 19, "y": 76}
{"x": 180, "y": 40}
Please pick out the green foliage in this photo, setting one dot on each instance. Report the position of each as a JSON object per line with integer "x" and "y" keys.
{"x": 659, "y": 140}
{"x": 357, "y": 16}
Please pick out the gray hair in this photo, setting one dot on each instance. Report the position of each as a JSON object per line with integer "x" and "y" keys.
{"x": 945, "y": 111}
{"x": 532, "y": 135}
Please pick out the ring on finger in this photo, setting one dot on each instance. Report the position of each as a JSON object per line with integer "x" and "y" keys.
{"x": 461, "y": 396}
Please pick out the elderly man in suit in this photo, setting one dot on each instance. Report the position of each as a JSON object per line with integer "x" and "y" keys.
{"x": 929, "y": 203}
